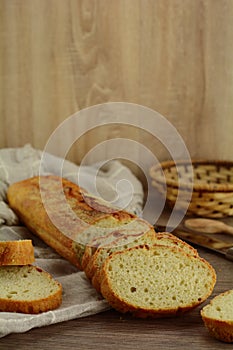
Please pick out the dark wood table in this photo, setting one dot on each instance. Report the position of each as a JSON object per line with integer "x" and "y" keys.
{"x": 112, "y": 330}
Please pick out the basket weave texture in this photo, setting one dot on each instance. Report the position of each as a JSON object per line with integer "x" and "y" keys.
{"x": 211, "y": 184}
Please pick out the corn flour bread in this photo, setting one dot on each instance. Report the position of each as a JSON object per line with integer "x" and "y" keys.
{"x": 28, "y": 289}
{"x": 115, "y": 248}
{"x": 19, "y": 252}
{"x": 156, "y": 280}
{"x": 218, "y": 316}
{"x": 97, "y": 261}
{"x": 65, "y": 216}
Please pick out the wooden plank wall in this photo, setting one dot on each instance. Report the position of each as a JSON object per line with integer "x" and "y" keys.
{"x": 174, "y": 56}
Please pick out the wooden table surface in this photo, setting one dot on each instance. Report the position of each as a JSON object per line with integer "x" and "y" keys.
{"x": 112, "y": 330}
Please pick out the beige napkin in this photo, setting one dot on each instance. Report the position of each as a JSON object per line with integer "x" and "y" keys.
{"x": 79, "y": 297}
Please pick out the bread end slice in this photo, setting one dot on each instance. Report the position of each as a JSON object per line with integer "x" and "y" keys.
{"x": 19, "y": 252}
{"x": 156, "y": 281}
{"x": 28, "y": 289}
{"x": 218, "y": 316}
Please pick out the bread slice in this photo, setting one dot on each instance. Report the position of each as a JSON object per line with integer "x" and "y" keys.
{"x": 150, "y": 238}
{"x": 64, "y": 215}
{"x": 124, "y": 242}
{"x": 122, "y": 235}
{"x": 16, "y": 252}
{"x": 125, "y": 233}
{"x": 218, "y": 316}
{"x": 28, "y": 289}
{"x": 156, "y": 281}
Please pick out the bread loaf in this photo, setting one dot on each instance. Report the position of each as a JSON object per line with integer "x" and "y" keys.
{"x": 156, "y": 281}
{"x": 150, "y": 239}
{"x": 16, "y": 252}
{"x": 65, "y": 216}
{"x": 135, "y": 269}
{"x": 28, "y": 289}
{"x": 218, "y": 316}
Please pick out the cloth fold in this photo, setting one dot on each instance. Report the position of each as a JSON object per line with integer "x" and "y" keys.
{"x": 79, "y": 300}
{"x": 112, "y": 181}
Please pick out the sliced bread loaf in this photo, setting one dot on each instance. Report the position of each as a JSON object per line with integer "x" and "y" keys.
{"x": 16, "y": 252}
{"x": 151, "y": 238}
{"x": 64, "y": 215}
{"x": 156, "y": 281}
{"x": 218, "y": 316}
{"x": 28, "y": 289}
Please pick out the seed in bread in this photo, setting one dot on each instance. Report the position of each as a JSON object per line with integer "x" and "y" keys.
{"x": 218, "y": 316}
{"x": 28, "y": 289}
{"x": 156, "y": 281}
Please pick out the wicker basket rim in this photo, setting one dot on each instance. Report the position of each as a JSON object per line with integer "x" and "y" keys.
{"x": 226, "y": 187}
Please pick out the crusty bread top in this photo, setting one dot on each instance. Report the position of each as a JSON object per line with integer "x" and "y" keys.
{"x": 70, "y": 208}
{"x": 155, "y": 281}
{"x": 62, "y": 199}
{"x": 19, "y": 252}
{"x": 28, "y": 289}
{"x": 65, "y": 216}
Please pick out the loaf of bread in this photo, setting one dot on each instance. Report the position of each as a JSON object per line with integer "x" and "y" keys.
{"x": 156, "y": 280}
{"x": 16, "y": 252}
{"x": 28, "y": 289}
{"x": 218, "y": 316}
{"x": 151, "y": 238}
{"x": 65, "y": 216}
{"x": 134, "y": 268}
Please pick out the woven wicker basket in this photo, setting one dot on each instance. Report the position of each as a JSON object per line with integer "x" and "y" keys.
{"x": 211, "y": 184}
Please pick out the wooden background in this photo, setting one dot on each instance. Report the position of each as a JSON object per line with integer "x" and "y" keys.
{"x": 174, "y": 56}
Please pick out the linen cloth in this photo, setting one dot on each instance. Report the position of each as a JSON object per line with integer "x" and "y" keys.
{"x": 113, "y": 180}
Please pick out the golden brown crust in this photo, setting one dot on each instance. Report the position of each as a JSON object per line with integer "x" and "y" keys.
{"x": 221, "y": 330}
{"x": 58, "y": 211}
{"x": 161, "y": 236}
{"x": 32, "y": 307}
{"x": 86, "y": 257}
{"x": 16, "y": 252}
